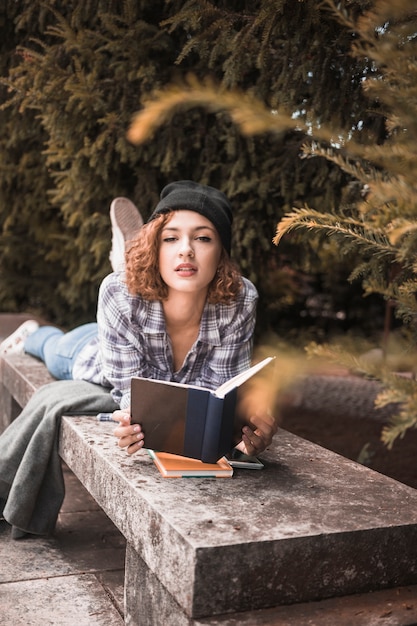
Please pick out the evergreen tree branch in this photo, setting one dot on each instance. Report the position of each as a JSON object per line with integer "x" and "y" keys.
{"x": 348, "y": 231}
{"x": 246, "y": 111}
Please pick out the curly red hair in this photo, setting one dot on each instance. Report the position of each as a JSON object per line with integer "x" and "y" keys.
{"x": 142, "y": 268}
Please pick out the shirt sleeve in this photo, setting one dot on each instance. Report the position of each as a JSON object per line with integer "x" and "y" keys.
{"x": 120, "y": 352}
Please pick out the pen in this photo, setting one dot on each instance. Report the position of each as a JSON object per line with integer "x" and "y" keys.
{"x": 105, "y": 417}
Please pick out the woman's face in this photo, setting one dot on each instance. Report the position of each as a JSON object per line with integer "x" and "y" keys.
{"x": 189, "y": 252}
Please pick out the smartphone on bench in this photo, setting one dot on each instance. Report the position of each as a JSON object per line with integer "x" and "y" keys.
{"x": 236, "y": 458}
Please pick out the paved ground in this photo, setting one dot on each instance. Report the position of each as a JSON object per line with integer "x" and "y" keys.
{"x": 74, "y": 577}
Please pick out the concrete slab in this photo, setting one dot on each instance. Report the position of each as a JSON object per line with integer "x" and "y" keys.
{"x": 113, "y": 584}
{"x": 394, "y": 607}
{"x": 86, "y": 537}
{"x": 237, "y": 545}
{"x": 74, "y": 577}
{"x": 91, "y": 543}
{"x": 31, "y": 559}
{"x": 76, "y": 497}
{"x": 65, "y": 600}
{"x": 391, "y": 607}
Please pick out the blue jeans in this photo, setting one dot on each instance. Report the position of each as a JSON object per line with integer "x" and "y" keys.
{"x": 58, "y": 350}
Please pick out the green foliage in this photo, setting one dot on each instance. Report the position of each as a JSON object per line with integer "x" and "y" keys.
{"x": 72, "y": 76}
{"x": 290, "y": 54}
{"x": 66, "y": 155}
{"x": 382, "y": 229}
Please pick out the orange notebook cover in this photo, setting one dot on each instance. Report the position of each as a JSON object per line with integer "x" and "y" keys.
{"x": 176, "y": 466}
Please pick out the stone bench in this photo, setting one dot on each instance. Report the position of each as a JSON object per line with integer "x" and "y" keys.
{"x": 311, "y": 525}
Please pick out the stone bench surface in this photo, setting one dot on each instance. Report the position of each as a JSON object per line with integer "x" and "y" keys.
{"x": 20, "y": 377}
{"x": 311, "y": 525}
{"x": 23, "y": 375}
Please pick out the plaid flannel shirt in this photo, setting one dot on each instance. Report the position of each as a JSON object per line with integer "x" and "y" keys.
{"x": 132, "y": 341}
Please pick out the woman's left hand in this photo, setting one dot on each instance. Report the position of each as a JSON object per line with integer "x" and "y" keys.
{"x": 258, "y": 437}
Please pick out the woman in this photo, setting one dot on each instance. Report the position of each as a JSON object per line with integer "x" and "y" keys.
{"x": 180, "y": 312}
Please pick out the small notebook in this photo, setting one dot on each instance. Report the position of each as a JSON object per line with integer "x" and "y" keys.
{"x": 176, "y": 466}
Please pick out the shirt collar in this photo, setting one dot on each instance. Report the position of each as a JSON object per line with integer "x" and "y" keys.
{"x": 153, "y": 322}
{"x": 151, "y": 318}
{"x": 209, "y": 328}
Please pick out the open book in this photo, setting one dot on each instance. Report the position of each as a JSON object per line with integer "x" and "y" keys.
{"x": 188, "y": 420}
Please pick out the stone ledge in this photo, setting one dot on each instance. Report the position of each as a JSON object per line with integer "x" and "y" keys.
{"x": 347, "y": 395}
{"x": 311, "y": 525}
{"x": 389, "y": 607}
{"x": 22, "y": 374}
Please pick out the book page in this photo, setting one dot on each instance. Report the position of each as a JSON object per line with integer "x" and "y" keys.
{"x": 241, "y": 378}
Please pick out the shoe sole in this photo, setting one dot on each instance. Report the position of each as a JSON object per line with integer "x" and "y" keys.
{"x": 125, "y": 217}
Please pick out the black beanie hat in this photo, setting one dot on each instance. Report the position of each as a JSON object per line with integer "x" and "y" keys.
{"x": 208, "y": 201}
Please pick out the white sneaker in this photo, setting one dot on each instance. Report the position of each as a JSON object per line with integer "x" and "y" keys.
{"x": 15, "y": 343}
{"x": 126, "y": 221}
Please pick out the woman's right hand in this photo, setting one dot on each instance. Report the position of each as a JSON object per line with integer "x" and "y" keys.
{"x": 130, "y": 436}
